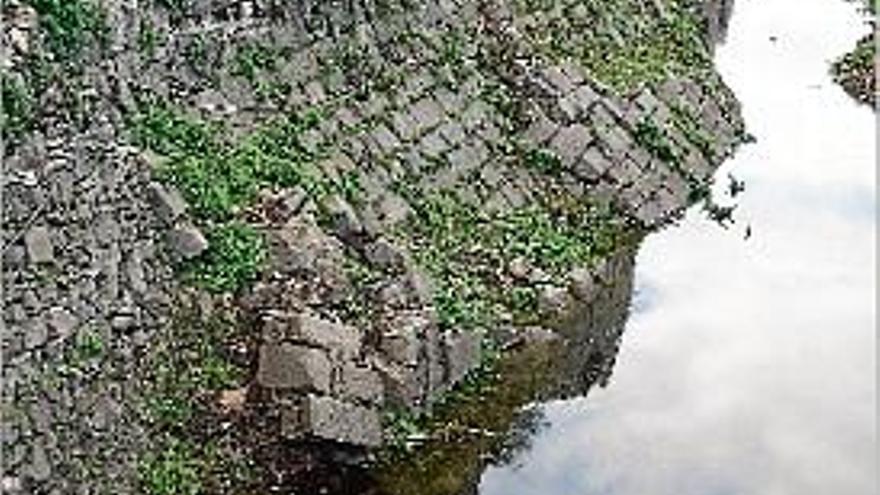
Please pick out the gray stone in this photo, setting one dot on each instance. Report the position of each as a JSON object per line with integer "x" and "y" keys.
{"x": 404, "y": 125}
{"x": 168, "y": 202}
{"x": 39, "y": 245}
{"x": 384, "y": 255}
{"x": 36, "y": 333}
{"x": 432, "y": 145}
{"x": 541, "y": 128}
{"x": 313, "y": 331}
{"x": 569, "y": 143}
{"x": 427, "y": 113}
{"x": 400, "y": 387}
{"x": 188, "y": 241}
{"x": 400, "y": 342}
{"x": 360, "y": 383}
{"x": 40, "y": 469}
{"x": 134, "y": 270}
{"x": 11, "y": 485}
{"x": 584, "y": 96}
{"x": 62, "y": 321}
{"x": 342, "y": 216}
{"x": 555, "y": 76}
{"x": 293, "y": 367}
{"x": 123, "y": 322}
{"x": 462, "y": 354}
{"x": 393, "y": 209}
{"x": 519, "y": 268}
{"x": 331, "y": 419}
{"x": 385, "y": 139}
{"x": 419, "y": 285}
{"x": 553, "y": 301}
{"x": 581, "y": 284}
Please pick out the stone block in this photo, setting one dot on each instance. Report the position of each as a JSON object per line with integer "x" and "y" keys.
{"x": 334, "y": 420}
{"x": 384, "y": 255}
{"x": 462, "y": 354}
{"x": 167, "y": 201}
{"x": 38, "y": 244}
{"x": 187, "y": 240}
{"x": 569, "y": 143}
{"x": 342, "y": 216}
{"x": 427, "y": 113}
{"x": 295, "y": 367}
{"x": 553, "y": 301}
{"x": 400, "y": 341}
{"x": 360, "y": 383}
{"x": 541, "y": 128}
{"x": 581, "y": 284}
{"x": 560, "y": 81}
{"x": 400, "y": 385}
{"x": 62, "y": 321}
{"x": 310, "y": 330}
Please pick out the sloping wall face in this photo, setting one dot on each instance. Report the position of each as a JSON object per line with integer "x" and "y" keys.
{"x": 372, "y": 185}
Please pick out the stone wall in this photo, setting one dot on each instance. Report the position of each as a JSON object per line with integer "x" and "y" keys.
{"x": 416, "y": 100}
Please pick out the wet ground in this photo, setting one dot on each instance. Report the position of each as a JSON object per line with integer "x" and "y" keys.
{"x": 747, "y": 366}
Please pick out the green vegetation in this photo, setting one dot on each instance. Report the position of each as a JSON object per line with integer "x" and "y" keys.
{"x": 618, "y": 42}
{"x": 254, "y": 58}
{"x": 855, "y": 71}
{"x": 148, "y": 38}
{"x": 70, "y": 25}
{"x": 543, "y": 161}
{"x": 218, "y": 177}
{"x": 89, "y": 344}
{"x": 190, "y": 366}
{"x": 651, "y": 137}
{"x": 465, "y": 250}
{"x": 234, "y": 257}
{"x": 171, "y": 471}
{"x": 468, "y": 427}
{"x": 688, "y": 124}
{"x": 18, "y": 108}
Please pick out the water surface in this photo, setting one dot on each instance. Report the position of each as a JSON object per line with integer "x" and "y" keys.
{"x": 747, "y": 366}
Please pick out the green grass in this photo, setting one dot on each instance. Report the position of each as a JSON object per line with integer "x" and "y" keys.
{"x": 622, "y": 43}
{"x": 234, "y": 257}
{"x": 173, "y": 470}
{"x": 218, "y": 177}
{"x": 253, "y": 59}
{"x": 464, "y": 250}
{"x": 543, "y": 161}
{"x": 18, "y": 108}
{"x": 190, "y": 365}
{"x": 70, "y": 25}
{"x": 148, "y": 38}
{"x": 654, "y": 139}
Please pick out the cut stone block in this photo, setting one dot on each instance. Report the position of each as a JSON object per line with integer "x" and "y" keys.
{"x": 188, "y": 241}
{"x": 581, "y": 284}
{"x": 462, "y": 351}
{"x": 331, "y": 419}
{"x": 400, "y": 385}
{"x": 293, "y": 367}
{"x": 400, "y": 342}
{"x": 167, "y": 201}
{"x": 569, "y": 143}
{"x": 38, "y": 243}
{"x": 312, "y": 331}
{"x": 360, "y": 383}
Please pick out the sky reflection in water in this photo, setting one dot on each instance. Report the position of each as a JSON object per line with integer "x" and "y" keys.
{"x": 748, "y": 366}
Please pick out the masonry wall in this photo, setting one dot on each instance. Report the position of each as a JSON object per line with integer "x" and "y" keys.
{"x": 416, "y": 100}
